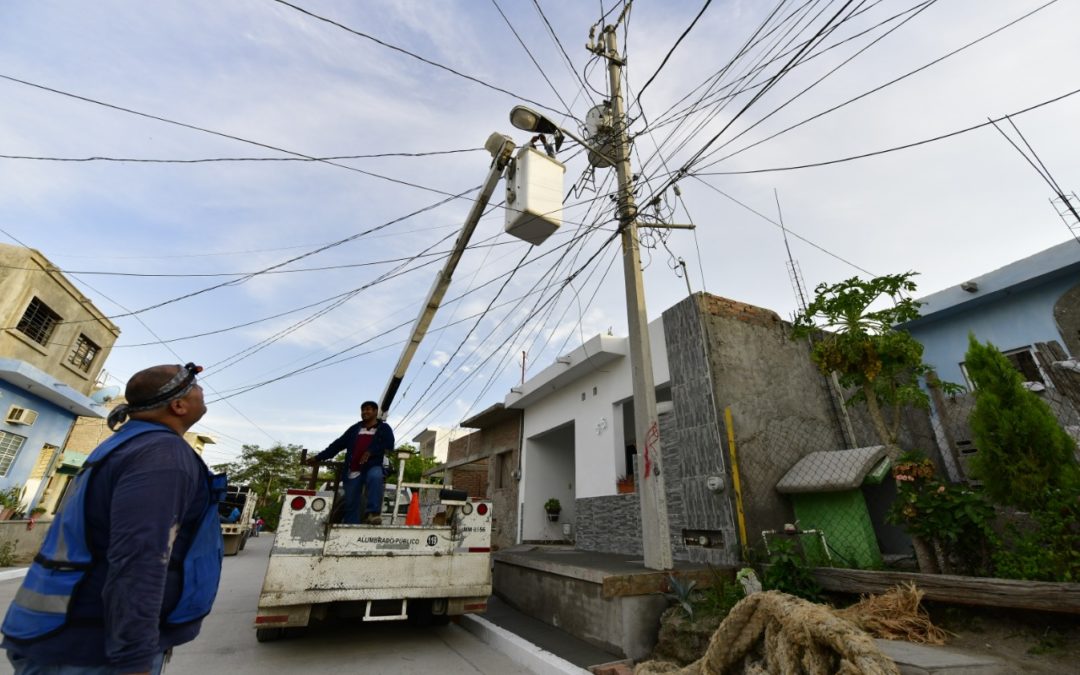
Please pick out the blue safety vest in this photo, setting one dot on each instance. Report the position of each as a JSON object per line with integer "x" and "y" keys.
{"x": 41, "y": 606}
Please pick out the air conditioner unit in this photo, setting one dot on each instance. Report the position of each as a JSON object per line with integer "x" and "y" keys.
{"x": 17, "y": 415}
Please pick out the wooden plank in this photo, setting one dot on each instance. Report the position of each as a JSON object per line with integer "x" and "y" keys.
{"x": 648, "y": 583}
{"x": 1037, "y": 595}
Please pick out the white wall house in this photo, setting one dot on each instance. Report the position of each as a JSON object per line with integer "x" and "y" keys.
{"x": 578, "y": 421}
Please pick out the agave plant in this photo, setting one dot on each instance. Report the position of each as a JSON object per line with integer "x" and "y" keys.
{"x": 680, "y": 592}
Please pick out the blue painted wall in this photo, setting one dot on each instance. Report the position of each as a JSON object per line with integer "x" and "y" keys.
{"x": 52, "y": 426}
{"x": 1011, "y": 320}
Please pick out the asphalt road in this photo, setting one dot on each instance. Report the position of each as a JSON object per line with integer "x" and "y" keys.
{"x": 227, "y": 641}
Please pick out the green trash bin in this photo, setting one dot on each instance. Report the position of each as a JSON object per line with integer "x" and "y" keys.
{"x": 825, "y": 493}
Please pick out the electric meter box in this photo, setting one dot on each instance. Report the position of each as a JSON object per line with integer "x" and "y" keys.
{"x": 534, "y": 195}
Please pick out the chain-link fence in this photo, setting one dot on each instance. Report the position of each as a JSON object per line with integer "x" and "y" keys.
{"x": 804, "y": 484}
{"x": 826, "y": 486}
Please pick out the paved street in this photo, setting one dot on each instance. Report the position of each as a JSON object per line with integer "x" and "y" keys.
{"x": 227, "y": 642}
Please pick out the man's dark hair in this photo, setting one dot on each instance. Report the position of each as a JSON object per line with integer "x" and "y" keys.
{"x": 146, "y": 384}
{"x": 369, "y": 404}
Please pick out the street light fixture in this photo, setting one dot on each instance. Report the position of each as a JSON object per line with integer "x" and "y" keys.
{"x": 527, "y": 119}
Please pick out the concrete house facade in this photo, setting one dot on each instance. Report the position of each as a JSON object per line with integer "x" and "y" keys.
{"x": 52, "y": 348}
{"x": 578, "y": 422}
{"x": 715, "y": 360}
{"x": 435, "y": 441}
{"x": 486, "y": 463}
{"x": 1030, "y": 301}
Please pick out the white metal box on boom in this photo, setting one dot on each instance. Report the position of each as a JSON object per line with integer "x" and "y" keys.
{"x": 534, "y": 196}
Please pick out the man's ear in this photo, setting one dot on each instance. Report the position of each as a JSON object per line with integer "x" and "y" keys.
{"x": 178, "y": 406}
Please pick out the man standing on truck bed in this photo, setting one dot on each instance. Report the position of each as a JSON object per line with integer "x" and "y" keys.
{"x": 131, "y": 563}
{"x": 365, "y": 444}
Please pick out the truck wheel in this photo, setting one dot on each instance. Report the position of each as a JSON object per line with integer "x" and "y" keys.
{"x": 269, "y": 634}
{"x": 243, "y": 540}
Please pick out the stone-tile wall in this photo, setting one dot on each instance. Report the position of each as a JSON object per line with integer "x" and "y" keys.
{"x": 691, "y": 444}
{"x": 609, "y": 524}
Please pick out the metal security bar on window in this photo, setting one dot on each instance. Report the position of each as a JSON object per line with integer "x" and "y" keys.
{"x": 9, "y": 448}
{"x": 82, "y": 356}
{"x": 38, "y": 322}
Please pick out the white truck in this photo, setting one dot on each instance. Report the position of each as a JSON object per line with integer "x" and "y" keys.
{"x": 236, "y": 534}
{"x": 427, "y": 573}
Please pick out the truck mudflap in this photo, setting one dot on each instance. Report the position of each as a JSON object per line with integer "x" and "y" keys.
{"x": 376, "y": 572}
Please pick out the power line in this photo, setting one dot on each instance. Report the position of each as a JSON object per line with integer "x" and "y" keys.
{"x": 150, "y": 160}
{"x": 892, "y": 149}
{"x": 406, "y": 52}
{"x": 532, "y": 58}
{"x": 920, "y": 9}
{"x": 559, "y": 44}
{"x": 672, "y": 50}
{"x": 773, "y": 222}
{"x": 220, "y": 134}
{"x": 202, "y": 275}
{"x": 887, "y": 84}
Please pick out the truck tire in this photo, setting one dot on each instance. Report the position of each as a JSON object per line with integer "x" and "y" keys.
{"x": 269, "y": 634}
{"x": 243, "y": 540}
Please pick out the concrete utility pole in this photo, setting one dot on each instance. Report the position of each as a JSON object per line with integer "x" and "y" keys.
{"x": 650, "y": 474}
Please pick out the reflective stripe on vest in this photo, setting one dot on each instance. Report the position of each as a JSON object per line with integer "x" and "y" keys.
{"x": 41, "y": 606}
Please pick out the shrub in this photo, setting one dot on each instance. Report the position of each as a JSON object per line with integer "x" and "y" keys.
{"x": 1024, "y": 454}
{"x": 7, "y": 554}
{"x": 1047, "y": 548}
{"x": 954, "y": 517}
{"x": 786, "y": 571}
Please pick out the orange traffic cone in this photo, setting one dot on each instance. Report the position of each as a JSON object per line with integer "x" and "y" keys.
{"x": 413, "y": 516}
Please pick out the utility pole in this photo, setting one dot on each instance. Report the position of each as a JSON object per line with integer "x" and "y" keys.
{"x": 650, "y": 474}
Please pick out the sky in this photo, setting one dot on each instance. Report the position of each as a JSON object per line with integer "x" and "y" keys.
{"x": 346, "y": 249}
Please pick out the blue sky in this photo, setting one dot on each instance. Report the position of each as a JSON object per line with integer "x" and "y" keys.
{"x": 265, "y": 72}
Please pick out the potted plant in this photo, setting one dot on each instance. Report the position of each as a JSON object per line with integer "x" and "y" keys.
{"x": 9, "y": 501}
{"x": 553, "y": 507}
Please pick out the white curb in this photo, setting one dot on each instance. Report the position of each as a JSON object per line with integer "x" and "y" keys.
{"x": 518, "y": 649}
{"x": 16, "y": 573}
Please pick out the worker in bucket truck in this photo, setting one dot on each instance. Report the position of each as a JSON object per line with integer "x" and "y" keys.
{"x": 365, "y": 443}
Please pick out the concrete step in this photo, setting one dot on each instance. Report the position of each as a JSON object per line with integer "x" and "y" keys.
{"x": 913, "y": 659}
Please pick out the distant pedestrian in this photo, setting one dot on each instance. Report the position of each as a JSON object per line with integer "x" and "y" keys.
{"x": 131, "y": 563}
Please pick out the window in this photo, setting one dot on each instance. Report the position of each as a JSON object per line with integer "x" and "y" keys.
{"x": 9, "y": 448}
{"x": 82, "y": 356}
{"x": 1023, "y": 360}
{"x": 38, "y": 322}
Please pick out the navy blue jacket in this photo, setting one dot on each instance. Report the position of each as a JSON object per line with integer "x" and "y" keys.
{"x": 149, "y": 486}
{"x": 382, "y": 443}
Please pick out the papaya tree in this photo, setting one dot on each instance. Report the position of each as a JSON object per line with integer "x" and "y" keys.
{"x": 852, "y": 327}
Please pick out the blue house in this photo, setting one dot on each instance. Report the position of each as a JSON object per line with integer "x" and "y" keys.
{"x": 39, "y": 412}
{"x": 1030, "y": 301}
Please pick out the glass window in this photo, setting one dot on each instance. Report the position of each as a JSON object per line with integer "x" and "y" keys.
{"x": 9, "y": 449}
{"x": 83, "y": 354}
{"x": 38, "y": 322}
